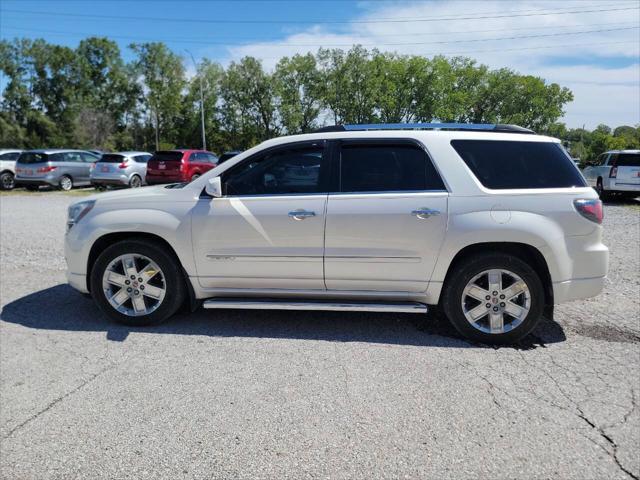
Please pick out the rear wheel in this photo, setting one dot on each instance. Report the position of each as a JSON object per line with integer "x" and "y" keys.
{"x": 600, "y": 189}
{"x": 494, "y": 298}
{"x": 195, "y": 176}
{"x": 135, "y": 182}
{"x": 137, "y": 283}
{"x": 65, "y": 183}
{"x": 7, "y": 181}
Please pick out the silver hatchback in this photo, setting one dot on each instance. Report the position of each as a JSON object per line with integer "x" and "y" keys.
{"x": 57, "y": 168}
{"x": 122, "y": 169}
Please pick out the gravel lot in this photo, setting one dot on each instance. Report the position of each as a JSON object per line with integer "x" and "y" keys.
{"x": 234, "y": 394}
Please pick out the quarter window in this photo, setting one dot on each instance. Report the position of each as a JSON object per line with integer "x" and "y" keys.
{"x": 504, "y": 165}
{"x": 294, "y": 170}
{"x": 386, "y": 168}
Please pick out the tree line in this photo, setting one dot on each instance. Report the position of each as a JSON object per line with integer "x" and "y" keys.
{"x": 89, "y": 97}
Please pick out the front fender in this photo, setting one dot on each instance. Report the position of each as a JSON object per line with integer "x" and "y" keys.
{"x": 173, "y": 227}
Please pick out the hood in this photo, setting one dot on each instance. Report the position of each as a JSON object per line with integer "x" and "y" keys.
{"x": 156, "y": 193}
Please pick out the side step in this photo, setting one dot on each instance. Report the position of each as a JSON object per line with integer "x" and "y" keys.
{"x": 331, "y": 305}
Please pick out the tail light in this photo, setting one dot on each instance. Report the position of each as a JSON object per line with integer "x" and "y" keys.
{"x": 46, "y": 169}
{"x": 590, "y": 209}
{"x": 123, "y": 165}
{"x": 613, "y": 172}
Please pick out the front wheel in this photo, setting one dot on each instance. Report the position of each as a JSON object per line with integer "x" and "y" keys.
{"x": 7, "y": 181}
{"x": 137, "y": 283}
{"x": 494, "y": 298}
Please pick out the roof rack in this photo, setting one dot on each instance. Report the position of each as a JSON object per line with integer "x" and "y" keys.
{"x": 476, "y": 127}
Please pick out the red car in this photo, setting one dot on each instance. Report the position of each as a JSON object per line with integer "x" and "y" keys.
{"x": 172, "y": 166}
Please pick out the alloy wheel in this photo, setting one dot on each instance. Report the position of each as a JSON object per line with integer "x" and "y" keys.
{"x": 134, "y": 285}
{"x": 66, "y": 184}
{"x": 7, "y": 181}
{"x": 496, "y": 301}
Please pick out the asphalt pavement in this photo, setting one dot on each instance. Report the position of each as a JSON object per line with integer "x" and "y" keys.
{"x": 265, "y": 394}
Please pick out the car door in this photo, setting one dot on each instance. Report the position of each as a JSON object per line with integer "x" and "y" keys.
{"x": 72, "y": 165}
{"x": 267, "y": 230}
{"x": 386, "y": 223}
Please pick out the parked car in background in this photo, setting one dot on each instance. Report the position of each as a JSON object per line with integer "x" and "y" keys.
{"x": 120, "y": 169}
{"x": 8, "y": 168}
{"x": 174, "y": 166}
{"x": 615, "y": 172}
{"x": 227, "y": 155}
{"x": 492, "y": 223}
{"x": 58, "y": 168}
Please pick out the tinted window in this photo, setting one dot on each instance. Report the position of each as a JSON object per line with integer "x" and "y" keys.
{"x": 111, "y": 158}
{"x": 391, "y": 168}
{"x": 89, "y": 157}
{"x": 142, "y": 158}
{"x": 10, "y": 156}
{"x": 508, "y": 164}
{"x": 294, "y": 170}
{"x": 628, "y": 160}
{"x": 226, "y": 156}
{"x": 72, "y": 157}
{"x": 167, "y": 156}
{"x": 602, "y": 159}
{"x": 33, "y": 157}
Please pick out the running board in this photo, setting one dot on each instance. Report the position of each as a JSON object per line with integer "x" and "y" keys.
{"x": 330, "y": 305}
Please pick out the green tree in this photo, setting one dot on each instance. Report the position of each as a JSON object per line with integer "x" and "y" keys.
{"x": 299, "y": 87}
{"x": 162, "y": 81}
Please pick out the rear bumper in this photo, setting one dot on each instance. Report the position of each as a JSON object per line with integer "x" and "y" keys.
{"x": 624, "y": 187}
{"x": 112, "y": 180}
{"x": 36, "y": 182}
{"x": 156, "y": 179}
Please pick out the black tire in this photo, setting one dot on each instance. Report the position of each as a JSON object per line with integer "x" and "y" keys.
{"x": 195, "y": 176}
{"x": 600, "y": 190}
{"x": 100, "y": 188}
{"x": 173, "y": 278}
{"x": 466, "y": 270}
{"x": 7, "y": 181}
{"x": 135, "y": 182}
{"x": 65, "y": 183}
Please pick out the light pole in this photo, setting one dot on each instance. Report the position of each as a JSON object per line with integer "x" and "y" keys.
{"x": 204, "y": 140}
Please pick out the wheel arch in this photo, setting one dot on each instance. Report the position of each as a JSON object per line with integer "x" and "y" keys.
{"x": 527, "y": 253}
{"x": 110, "y": 238}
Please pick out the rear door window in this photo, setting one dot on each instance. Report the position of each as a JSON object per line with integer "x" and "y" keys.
{"x": 628, "y": 160}
{"x": 72, "y": 157}
{"x": 502, "y": 165}
{"x": 386, "y": 168}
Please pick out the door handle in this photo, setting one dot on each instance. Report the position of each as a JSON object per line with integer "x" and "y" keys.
{"x": 424, "y": 212}
{"x": 301, "y": 214}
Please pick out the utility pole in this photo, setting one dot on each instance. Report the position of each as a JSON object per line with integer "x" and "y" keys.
{"x": 204, "y": 140}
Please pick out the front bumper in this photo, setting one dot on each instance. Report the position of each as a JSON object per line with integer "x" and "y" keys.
{"x": 77, "y": 281}
{"x": 577, "y": 288}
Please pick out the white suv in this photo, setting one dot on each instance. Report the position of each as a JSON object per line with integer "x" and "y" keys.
{"x": 490, "y": 222}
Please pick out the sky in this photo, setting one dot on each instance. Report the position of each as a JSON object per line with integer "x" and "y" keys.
{"x": 589, "y": 46}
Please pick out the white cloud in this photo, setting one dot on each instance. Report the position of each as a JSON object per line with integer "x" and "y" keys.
{"x": 602, "y": 94}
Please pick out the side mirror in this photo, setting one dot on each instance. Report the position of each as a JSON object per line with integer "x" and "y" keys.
{"x": 214, "y": 187}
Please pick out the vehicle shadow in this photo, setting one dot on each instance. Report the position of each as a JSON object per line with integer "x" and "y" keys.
{"x": 62, "y": 308}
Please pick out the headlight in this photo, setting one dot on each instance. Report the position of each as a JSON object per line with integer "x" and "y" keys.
{"x": 77, "y": 211}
